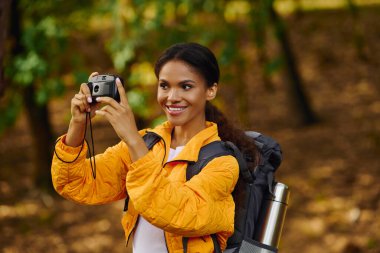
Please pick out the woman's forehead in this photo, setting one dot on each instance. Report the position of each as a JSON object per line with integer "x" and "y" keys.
{"x": 178, "y": 68}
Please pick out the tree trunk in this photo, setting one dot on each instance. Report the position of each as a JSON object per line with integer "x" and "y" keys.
{"x": 358, "y": 32}
{"x": 297, "y": 94}
{"x": 5, "y": 6}
{"x": 37, "y": 116}
{"x": 39, "y": 124}
{"x": 260, "y": 24}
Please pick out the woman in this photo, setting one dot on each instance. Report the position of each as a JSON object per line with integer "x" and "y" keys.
{"x": 163, "y": 208}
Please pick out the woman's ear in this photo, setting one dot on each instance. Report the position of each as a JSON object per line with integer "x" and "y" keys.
{"x": 211, "y": 92}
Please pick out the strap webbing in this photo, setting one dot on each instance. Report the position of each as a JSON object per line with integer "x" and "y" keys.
{"x": 151, "y": 139}
{"x": 217, "y": 248}
{"x": 217, "y": 149}
{"x": 206, "y": 154}
{"x": 185, "y": 241}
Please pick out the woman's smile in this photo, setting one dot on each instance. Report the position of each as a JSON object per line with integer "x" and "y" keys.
{"x": 175, "y": 110}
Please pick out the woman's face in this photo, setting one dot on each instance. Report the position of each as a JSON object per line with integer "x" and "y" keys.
{"x": 182, "y": 94}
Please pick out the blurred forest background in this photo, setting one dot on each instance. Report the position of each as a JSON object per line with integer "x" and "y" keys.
{"x": 306, "y": 72}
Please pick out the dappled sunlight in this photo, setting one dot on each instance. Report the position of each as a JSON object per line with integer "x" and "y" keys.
{"x": 290, "y": 6}
{"x": 18, "y": 211}
{"x": 331, "y": 167}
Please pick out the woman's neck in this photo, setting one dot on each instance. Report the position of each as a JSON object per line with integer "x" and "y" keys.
{"x": 182, "y": 135}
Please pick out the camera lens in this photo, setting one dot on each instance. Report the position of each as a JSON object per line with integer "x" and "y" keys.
{"x": 96, "y": 88}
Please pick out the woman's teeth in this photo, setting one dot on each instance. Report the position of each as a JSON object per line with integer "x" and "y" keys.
{"x": 175, "y": 108}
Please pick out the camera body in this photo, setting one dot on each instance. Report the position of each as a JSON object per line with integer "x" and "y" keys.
{"x": 104, "y": 86}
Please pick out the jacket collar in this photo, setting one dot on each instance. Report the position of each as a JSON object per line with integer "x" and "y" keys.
{"x": 191, "y": 150}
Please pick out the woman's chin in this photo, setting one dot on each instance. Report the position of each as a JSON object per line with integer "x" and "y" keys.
{"x": 175, "y": 122}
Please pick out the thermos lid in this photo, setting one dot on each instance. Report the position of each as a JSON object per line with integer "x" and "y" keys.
{"x": 280, "y": 193}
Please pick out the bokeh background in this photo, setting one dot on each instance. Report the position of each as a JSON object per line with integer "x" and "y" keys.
{"x": 306, "y": 72}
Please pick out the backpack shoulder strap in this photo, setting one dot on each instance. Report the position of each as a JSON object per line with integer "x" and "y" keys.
{"x": 217, "y": 149}
{"x": 206, "y": 154}
{"x": 151, "y": 139}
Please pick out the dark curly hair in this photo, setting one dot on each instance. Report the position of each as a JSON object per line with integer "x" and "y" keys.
{"x": 204, "y": 61}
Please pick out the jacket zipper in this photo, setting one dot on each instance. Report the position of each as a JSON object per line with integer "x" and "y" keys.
{"x": 133, "y": 229}
{"x": 163, "y": 160}
{"x": 166, "y": 243}
{"x": 129, "y": 236}
{"x": 163, "y": 165}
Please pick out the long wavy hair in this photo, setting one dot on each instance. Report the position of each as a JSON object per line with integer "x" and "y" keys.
{"x": 204, "y": 61}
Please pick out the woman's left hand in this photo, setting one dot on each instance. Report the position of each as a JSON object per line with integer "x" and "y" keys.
{"x": 120, "y": 115}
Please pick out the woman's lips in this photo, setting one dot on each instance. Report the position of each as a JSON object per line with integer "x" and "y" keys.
{"x": 175, "y": 110}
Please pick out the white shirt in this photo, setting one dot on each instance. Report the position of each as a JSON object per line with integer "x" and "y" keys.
{"x": 149, "y": 238}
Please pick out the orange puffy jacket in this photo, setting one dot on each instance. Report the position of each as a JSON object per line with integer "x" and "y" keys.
{"x": 157, "y": 190}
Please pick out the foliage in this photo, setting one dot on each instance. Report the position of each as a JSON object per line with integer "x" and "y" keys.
{"x": 37, "y": 53}
{"x": 144, "y": 28}
{"x": 133, "y": 33}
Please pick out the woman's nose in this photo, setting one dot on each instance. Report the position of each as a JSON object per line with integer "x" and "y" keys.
{"x": 173, "y": 95}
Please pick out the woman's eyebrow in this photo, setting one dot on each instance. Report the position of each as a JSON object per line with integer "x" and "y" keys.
{"x": 187, "y": 81}
{"x": 181, "y": 82}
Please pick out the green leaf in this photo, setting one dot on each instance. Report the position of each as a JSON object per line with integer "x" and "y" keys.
{"x": 28, "y": 68}
{"x": 10, "y": 111}
{"x": 80, "y": 77}
{"x": 42, "y": 96}
{"x": 123, "y": 56}
{"x": 273, "y": 66}
{"x": 137, "y": 100}
{"x": 54, "y": 87}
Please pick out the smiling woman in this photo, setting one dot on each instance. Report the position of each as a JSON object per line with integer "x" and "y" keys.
{"x": 166, "y": 213}
{"x": 182, "y": 94}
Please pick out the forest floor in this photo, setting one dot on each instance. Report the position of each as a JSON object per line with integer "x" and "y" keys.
{"x": 332, "y": 167}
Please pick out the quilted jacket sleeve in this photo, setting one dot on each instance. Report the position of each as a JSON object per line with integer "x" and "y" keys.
{"x": 200, "y": 206}
{"x": 75, "y": 180}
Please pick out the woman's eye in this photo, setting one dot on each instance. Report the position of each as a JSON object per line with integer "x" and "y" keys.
{"x": 163, "y": 86}
{"x": 187, "y": 86}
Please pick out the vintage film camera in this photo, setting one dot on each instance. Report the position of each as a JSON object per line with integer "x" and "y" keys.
{"x": 104, "y": 86}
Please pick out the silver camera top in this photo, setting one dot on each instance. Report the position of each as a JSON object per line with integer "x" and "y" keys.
{"x": 102, "y": 78}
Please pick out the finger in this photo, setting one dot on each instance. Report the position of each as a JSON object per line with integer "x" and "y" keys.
{"x": 109, "y": 109}
{"x": 93, "y": 74}
{"x": 105, "y": 113}
{"x": 94, "y": 108}
{"x": 123, "y": 95}
{"x": 84, "y": 89}
{"x": 84, "y": 106}
{"x": 102, "y": 113}
{"x": 80, "y": 102}
{"x": 108, "y": 101}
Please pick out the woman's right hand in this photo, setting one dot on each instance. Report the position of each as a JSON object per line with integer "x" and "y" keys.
{"x": 80, "y": 105}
